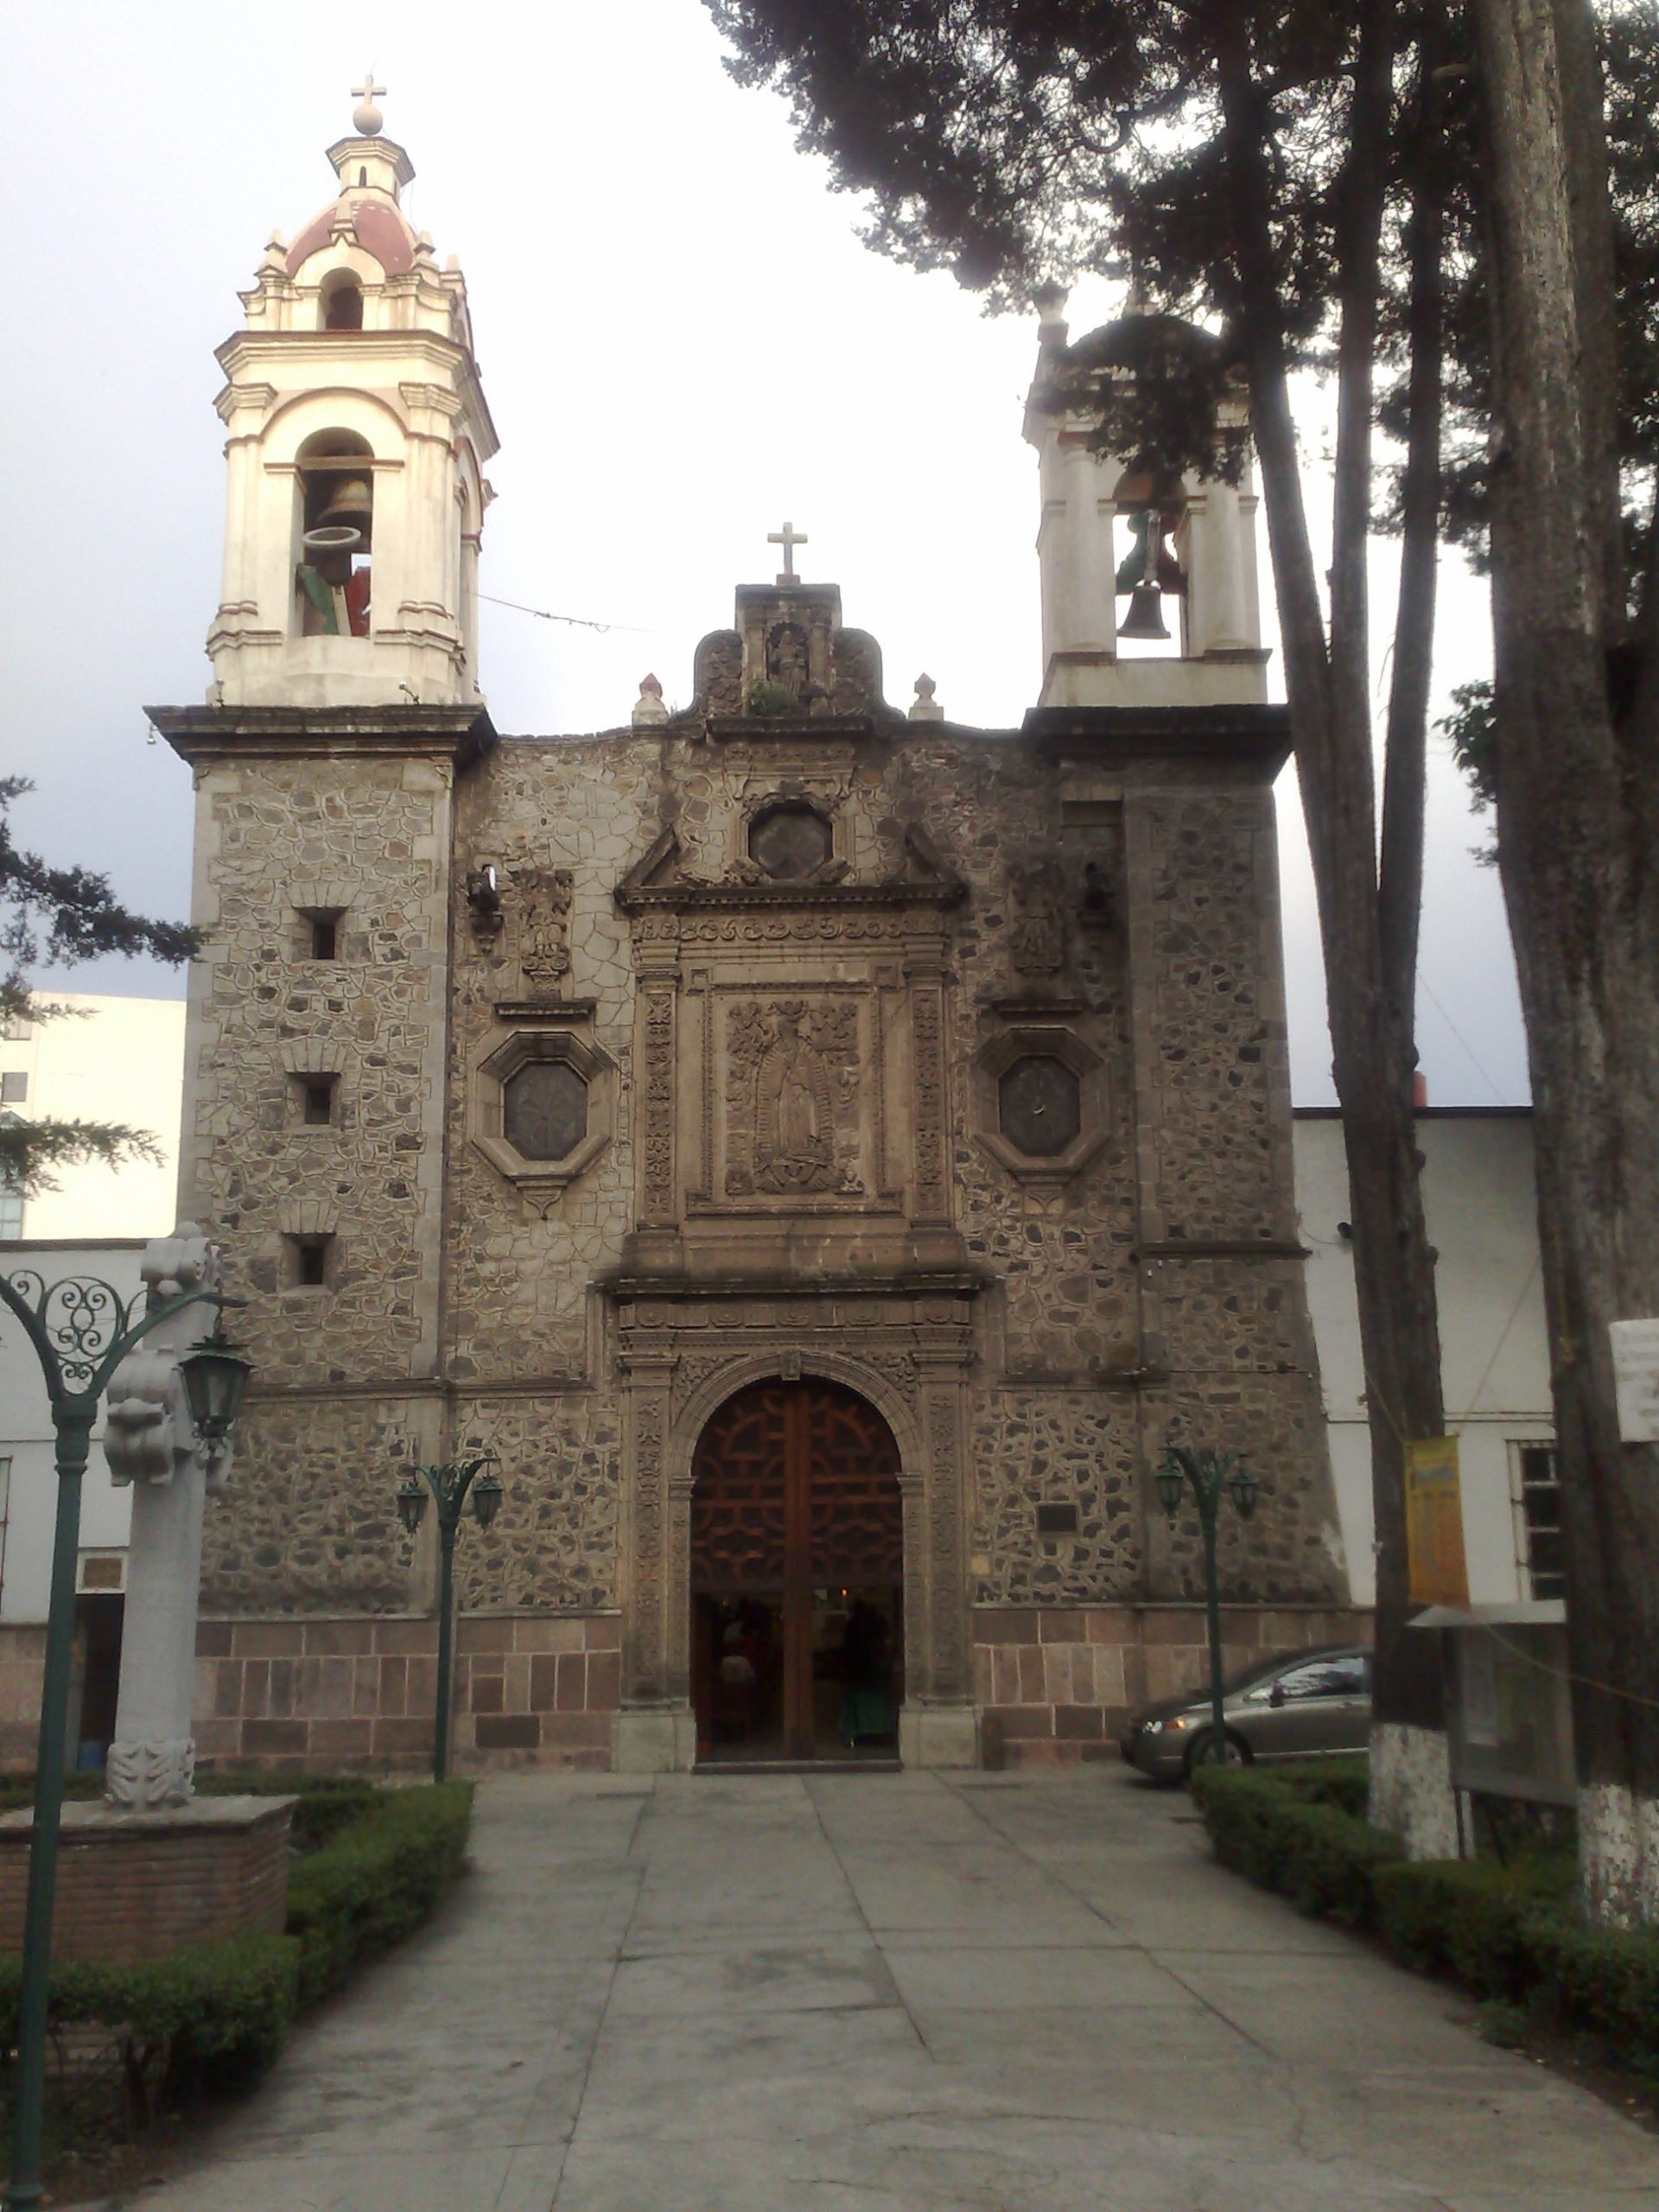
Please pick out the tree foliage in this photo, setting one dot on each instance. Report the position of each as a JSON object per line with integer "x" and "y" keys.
{"x": 58, "y": 916}
{"x": 1282, "y": 173}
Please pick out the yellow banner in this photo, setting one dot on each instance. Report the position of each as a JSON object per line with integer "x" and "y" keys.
{"x": 1438, "y": 1572}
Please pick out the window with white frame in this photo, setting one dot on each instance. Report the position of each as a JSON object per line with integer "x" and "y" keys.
{"x": 1535, "y": 1486}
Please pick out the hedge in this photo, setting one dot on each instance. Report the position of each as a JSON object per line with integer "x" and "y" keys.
{"x": 221, "y": 2007}
{"x": 1316, "y": 1854}
{"x": 377, "y": 1880}
{"x": 1506, "y": 1933}
{"x": 205, "y": 2018}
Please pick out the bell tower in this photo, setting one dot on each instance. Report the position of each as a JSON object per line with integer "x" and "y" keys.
{"x": 1149, "y": 588}
{"x": 357, "y": 434}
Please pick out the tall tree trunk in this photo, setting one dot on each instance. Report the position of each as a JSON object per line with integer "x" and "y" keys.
{"x": 1370, "y": 1029}
{"x": 1579, "y": 845}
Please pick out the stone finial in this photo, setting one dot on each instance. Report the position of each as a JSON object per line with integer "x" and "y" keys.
{"x": 648, "y": 708}
{"x": 925, "y": 707}
{"x": 1050, "y": 302}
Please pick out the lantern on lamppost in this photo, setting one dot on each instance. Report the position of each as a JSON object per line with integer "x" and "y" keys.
{"x": 448, "y": 1486}
{"x": 1208, "y": 1475}
{"x": 81, "y": 1331}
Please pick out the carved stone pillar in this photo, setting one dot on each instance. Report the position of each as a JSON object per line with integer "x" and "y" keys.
{"x": 939, "y": 1726}
{"x": 655, "y": 1731}
{"x": 656, "y": 1239}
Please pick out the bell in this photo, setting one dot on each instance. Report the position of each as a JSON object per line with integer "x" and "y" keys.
{"x": 350, "y": 506}
{"x": 1146, "y": 616}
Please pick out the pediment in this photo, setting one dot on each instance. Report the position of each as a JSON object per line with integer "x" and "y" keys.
{"x": 660, "y": 880}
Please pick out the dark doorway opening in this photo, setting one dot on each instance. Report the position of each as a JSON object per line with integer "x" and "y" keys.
{"x": 97, "y": 1641}
{"x": 796, "y": 1578}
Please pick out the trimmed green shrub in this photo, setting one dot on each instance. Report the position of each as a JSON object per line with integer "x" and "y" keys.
{"x": 1510, "y": 1934}
{"x": 1600, "y": 1981}
{"x": 209, "y": 2016}
{"x": 1470, "y": 1918}
{"x": 1345, "y": 1783}
{"x": 324, "y": 1803}
{"x": 1321, "y": 1858}
{"x": 376, "y": 1881}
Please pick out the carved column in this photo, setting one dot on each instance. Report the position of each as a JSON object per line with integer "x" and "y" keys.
{"x": 930, "y": 1198}
{"x": 655, "y": 1732}
{"x": 939, "y": 1726}
{"x": 656, "y": 1032}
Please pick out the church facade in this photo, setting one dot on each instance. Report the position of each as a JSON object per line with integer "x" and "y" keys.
{"x": 824, "y": 1154}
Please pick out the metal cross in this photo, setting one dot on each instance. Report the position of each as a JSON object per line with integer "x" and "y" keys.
{"x": 787, "y": 539}
{"x": 368, "y": 90}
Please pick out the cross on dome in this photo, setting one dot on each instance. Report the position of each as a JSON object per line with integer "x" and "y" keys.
{"x": 366, "y": 117}
{"x": 788, "y": 538}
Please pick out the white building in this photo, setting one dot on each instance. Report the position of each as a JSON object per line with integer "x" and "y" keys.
{"x": 1477, "y": 1191}
{"x": 106, "y": 1059}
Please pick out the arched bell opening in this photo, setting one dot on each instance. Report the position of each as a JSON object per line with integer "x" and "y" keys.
{"x": 336, "y": 532}
{"x": 796, "y": 1582}
{"x": 339, "y": 302}
{"x": 1150, "y": 582}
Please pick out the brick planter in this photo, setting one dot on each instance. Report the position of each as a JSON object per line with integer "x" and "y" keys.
{"x": 140, "y": 1885}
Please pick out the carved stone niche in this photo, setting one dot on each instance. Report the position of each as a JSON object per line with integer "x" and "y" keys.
{"x": 1041, "y": 1109}
{"x": 544, "y": 1109}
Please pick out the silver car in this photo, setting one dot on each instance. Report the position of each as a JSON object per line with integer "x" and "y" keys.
{"x": 1305, "y": 1705}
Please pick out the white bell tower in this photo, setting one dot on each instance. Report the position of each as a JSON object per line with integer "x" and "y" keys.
{"x": 1149, "y": 591}
{"x": 357, "y": 437}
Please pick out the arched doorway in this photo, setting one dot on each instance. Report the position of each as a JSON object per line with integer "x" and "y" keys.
{"x": 797, "y": 1577}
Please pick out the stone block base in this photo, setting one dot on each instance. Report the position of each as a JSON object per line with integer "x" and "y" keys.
{"x": 142, "y": 1885}
{"x": 358, "y": 1692}
{"x": 938, "y": 1736}
{"x": 654, "y": 1739}
{"x": 1057, "y": 1683}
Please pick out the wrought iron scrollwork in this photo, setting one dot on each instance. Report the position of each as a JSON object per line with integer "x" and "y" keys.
{"x": 79, "y": 1318}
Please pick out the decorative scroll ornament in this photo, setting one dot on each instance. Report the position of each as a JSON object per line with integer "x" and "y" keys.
{"x": 143, "y": 1777}
{"x": 149, "y": 1434}
{"x": 82, "y": 1317}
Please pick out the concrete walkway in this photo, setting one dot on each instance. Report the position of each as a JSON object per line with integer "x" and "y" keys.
{"x": 880, "y": 1993}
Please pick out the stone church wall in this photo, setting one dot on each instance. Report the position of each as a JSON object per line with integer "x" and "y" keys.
{"x": 1143, "y": 1285}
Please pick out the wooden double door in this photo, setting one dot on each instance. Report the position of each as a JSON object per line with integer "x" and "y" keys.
{"x": 797, "y": 1576}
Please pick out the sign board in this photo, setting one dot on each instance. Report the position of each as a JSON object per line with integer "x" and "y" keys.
{"x": 1636, "y": 1379}
{"x": 1438, "y": 1575}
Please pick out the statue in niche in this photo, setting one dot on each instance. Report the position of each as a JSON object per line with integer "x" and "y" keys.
{"x": 543, "y": 926}
{"x": 1036, "y": 927}
{"x": 787, "y": 659}
{"x": 793, "y": 1075}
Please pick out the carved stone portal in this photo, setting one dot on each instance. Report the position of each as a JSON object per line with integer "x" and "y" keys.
{"x": 925, "y": 1414}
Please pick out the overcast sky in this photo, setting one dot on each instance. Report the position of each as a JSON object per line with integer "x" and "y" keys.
{"x": 683, "y": 343}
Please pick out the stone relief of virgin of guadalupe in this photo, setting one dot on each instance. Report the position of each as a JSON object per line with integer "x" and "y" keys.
{"x": 793, "y": 1124}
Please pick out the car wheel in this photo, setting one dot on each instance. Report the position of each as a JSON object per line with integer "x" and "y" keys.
{"x": 1235, "y": 1752}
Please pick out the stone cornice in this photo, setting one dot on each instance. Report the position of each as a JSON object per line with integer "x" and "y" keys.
{"x": 671, "y": 1285}
{"x": 817, "y": 898}
{"x": 1253, "y": 739}
{"x": 209, "y": 734}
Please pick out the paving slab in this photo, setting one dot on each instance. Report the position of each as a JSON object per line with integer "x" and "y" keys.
{"x": 891, "y": 1993}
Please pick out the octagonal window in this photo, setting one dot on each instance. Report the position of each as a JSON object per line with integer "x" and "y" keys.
{"x": 790, "y": 841}
{"x": 1039, "y": 1105}
{"x": 544, "y": 1109}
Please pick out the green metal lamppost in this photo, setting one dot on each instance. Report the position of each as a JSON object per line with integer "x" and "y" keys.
{"x": 81, "y": 1330}
{"x": 449, "y": 1485}
{"x": 1208, "y": 1474}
